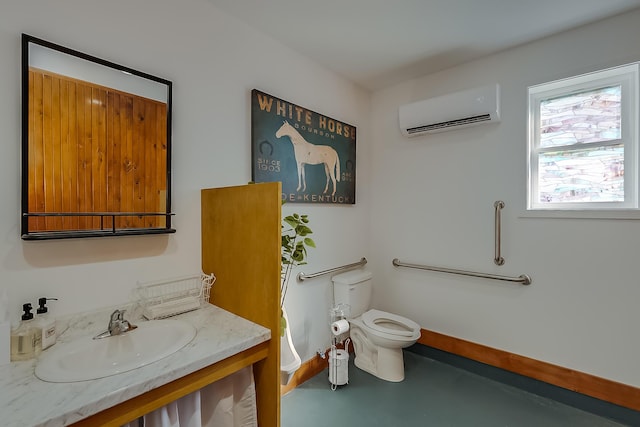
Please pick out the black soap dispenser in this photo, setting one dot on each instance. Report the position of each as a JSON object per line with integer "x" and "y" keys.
{"x": 26, "y": 339}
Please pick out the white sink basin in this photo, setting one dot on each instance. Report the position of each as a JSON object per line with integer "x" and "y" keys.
{"x": 88, "y": 359}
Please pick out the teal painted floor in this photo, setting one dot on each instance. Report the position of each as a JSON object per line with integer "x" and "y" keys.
{"x": 432, "y": 394}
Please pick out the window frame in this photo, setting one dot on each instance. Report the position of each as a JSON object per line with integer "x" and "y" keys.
{"x": 626, "y": 76}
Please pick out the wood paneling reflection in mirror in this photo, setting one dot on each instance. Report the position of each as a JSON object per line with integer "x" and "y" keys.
{"x": 97, "y": 158}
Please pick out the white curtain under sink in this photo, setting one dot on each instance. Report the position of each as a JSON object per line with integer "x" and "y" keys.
{"x": 229, "y": 402}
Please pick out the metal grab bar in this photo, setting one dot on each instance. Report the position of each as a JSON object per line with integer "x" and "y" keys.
{"x": 497, "y": 258}
{"x": 523, "y": 278}
{"x": 302, "y": 276}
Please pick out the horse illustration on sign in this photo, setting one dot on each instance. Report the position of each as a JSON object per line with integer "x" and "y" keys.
{"x": 307, "y": 153}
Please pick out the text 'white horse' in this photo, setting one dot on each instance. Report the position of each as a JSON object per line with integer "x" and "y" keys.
{"x": 311, "y": 154}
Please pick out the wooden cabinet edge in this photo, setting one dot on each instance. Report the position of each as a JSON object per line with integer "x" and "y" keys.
{"x": 140, "y": 405}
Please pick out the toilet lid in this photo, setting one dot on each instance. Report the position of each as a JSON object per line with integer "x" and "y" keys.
{"x": 390, "y": 323}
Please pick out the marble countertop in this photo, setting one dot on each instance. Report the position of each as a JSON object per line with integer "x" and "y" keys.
{"x": 28, "y": 401}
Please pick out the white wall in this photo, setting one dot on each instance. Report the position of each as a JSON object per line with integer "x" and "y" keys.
{"x": 433, "y": 204}
{"x": 433, "y": 198}
{"x": 214, "y": 62}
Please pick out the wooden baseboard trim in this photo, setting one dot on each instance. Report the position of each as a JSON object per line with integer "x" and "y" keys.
{"x": 590, "y": 385}
{"x": 310, "y": 369}
{"x": 579, "y": 382}
{"x": 307, "y": 370}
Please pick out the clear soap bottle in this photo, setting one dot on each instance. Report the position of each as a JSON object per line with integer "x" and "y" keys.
{"x": 26, "y": 339}
{"x": 46, "y": 323}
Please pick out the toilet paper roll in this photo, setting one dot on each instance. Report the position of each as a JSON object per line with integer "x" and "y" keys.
{"x": 339, "y": 327}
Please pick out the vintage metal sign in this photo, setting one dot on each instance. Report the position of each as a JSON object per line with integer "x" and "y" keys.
{"x": 314, "y": 156}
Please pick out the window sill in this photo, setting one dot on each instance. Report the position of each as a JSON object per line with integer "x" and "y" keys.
{"x": 633, "y": 214}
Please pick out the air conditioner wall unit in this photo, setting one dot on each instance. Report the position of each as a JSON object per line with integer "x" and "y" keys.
{"x": 452, "y": 111}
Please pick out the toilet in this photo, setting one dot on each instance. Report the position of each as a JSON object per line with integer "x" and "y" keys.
{"x": 378, "y": 337}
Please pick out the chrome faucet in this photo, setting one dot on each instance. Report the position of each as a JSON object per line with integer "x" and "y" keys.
{"x": 117, "y": 325}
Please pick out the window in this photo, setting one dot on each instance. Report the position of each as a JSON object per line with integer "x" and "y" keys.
{"x": 583, "y": 143}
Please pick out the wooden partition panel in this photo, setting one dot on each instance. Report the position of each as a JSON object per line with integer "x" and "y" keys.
{"x": 241, "y": 239}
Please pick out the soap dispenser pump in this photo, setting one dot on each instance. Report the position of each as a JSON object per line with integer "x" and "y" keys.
{"x": 46, "y": 323}
{"x": 26, "y": 339}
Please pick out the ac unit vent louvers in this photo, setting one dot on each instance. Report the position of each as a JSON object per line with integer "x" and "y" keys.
{"x": 456, "y": 110}
{"x": 450, "y": 123}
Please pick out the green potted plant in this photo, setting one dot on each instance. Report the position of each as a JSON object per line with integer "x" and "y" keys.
{"x": 295, "y": 241}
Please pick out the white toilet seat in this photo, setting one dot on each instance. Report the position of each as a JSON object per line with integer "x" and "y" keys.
{"x": 402, "y": 327}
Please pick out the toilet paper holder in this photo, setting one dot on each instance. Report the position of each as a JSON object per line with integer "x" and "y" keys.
{"x": 339, "y": 312}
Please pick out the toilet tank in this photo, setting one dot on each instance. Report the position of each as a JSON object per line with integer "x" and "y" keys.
{"x": 353, "y": 288}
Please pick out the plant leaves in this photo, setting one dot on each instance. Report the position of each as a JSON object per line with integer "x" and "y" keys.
{"x": 283, "y": 325}
{"x": 291, "y": 221}
{"x": 303, "y": 230}
{"x": 293, "y": 251}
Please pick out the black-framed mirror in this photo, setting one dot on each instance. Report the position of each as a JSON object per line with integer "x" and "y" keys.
{"x": 96, "y": 146}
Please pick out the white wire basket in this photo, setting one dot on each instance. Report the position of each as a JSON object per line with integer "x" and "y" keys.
{"x": 166, "y": 298}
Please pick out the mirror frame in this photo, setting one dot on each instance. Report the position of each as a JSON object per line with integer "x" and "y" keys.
{"x": 26, "y": 234}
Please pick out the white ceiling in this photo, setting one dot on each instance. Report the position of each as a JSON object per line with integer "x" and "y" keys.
{"x": 377, "y": 43}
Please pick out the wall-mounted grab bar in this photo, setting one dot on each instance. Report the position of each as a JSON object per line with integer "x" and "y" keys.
{"x": 523, "y": 278}
{"x": 302, "y": 276}
{"x": 497, "y": 259}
